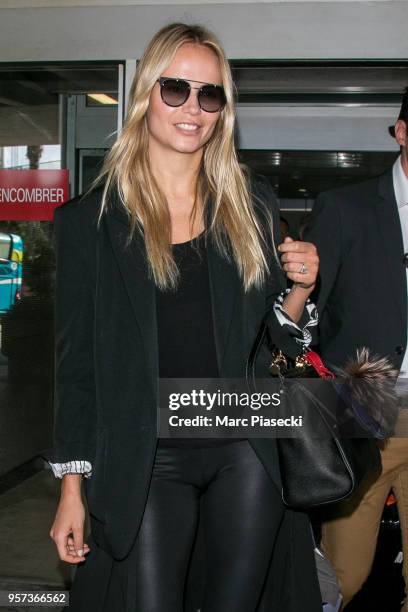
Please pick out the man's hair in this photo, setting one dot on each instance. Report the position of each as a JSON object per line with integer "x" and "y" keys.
{"x": 404, "y": 106}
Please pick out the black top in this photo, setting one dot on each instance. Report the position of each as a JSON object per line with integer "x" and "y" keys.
{"x": 184, "y": 318}
{"x": 185, "y": 328}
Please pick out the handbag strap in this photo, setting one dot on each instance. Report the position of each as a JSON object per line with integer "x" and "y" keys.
{"x": 253, "y": 354}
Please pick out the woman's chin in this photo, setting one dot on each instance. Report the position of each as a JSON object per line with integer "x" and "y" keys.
{"x": 188, "y": 147}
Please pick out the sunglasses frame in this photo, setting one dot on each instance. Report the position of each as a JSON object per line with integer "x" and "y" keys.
{"x": 162, "y": 81}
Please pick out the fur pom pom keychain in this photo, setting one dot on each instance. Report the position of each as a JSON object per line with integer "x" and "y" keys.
{"x": 368, "y": 385}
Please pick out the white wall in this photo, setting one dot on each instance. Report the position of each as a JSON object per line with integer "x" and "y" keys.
{"x": 322, "y": 128}
{"x": 271, "y": 29}
{"x": 303, "y": 29}
{"x": 63, "y": 3}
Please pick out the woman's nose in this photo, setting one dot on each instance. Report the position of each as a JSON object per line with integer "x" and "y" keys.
{"x": 191, "y": 105}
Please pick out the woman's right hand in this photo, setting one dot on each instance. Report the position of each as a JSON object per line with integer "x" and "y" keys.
{"x": 67, "y": 530}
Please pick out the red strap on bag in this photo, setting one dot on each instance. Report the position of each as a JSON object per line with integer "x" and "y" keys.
{"x": 316, "y": 362}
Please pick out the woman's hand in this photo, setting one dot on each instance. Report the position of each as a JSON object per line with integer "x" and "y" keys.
{"x": 300, "y": 262}
{"x": 67, "y": 530}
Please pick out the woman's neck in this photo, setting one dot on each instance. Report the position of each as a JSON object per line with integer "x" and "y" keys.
{"x": 176, "y": 173}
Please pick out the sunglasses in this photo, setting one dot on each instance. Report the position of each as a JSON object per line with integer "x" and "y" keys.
{"x": 175, "y": 92}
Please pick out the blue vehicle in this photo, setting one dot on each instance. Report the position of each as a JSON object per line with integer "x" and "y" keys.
{"x": 11, "y": 270}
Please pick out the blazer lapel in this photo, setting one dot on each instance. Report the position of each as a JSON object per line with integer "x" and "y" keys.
{"x": 393, "y": 247}
{"x": 139, "y": 285}
{"x": 225, "y": 285}
{"x": 224, "y": 280}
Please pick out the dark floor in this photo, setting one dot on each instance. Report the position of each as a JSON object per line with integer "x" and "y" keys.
{"x": 28, "y": 560}
{"x": 384, "y": 589}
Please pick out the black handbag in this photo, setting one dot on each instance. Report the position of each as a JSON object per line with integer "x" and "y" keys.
{"x": 317, "y": 471}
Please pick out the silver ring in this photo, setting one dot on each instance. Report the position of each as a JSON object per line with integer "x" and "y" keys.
{"x": 303, "y": 269}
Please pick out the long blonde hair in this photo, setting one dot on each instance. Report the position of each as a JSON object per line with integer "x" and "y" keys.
{"x": 233, "y": 223}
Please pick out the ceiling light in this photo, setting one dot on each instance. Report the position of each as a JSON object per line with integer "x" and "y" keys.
{"x": 102, "y": 98}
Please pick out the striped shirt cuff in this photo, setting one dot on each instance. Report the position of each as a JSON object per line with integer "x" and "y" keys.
{"x": 72, "y": 467}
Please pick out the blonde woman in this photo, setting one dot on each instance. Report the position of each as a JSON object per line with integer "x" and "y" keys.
{"x": 166, "y": 271}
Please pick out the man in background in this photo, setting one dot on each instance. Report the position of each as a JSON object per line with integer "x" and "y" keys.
{"x": 284, "y": 227}
{"x": 361, "y": 234}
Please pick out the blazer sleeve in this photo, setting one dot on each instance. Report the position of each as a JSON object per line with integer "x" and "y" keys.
{"x": 75, "y": 407}
{"x": 267, "y": 211}
{"x": 324, "y": 229}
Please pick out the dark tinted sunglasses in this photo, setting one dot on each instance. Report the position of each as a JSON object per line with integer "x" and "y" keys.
{"x": 175, "y": 92}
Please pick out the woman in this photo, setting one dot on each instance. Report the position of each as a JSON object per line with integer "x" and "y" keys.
{"x": 167, "y": 271}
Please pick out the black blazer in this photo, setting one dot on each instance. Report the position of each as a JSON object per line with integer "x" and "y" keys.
{"x": 362, "y": 291}
{"x": 107, "y": 371}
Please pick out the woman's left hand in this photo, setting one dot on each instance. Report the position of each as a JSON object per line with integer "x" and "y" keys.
{"x": 300, "y": 262}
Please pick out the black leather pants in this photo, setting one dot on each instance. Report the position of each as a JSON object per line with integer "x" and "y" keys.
{"x": 241, "y": 512}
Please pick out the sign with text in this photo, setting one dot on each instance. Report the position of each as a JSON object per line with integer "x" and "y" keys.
{"x": 32, "y": 195}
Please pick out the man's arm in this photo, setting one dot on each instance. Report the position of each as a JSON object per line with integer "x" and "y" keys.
{"x": 324, "y": 230}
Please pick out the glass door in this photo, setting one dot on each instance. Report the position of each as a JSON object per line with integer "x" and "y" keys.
{"x": 52, "y": 116}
